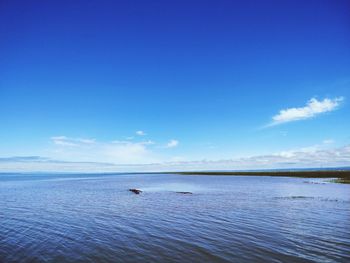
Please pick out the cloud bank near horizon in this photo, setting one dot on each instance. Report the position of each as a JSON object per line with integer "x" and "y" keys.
{"x": 139, "y": 153}
{"x": 130, "y": 151}
{"x": 308, "y": 157}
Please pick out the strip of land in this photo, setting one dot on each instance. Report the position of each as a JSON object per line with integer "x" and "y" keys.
{"x": 341, "y": 176}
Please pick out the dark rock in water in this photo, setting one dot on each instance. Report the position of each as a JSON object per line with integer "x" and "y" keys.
{"x": 185, "y": 193}
{"x": 135, "y": 191}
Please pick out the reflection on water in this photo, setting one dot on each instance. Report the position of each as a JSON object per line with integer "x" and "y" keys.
{"x": 174, "y": 187}
{"x": 94, "y": 218}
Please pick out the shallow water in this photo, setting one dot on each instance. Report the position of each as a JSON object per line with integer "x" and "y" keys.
{"x": 94, "y": 218}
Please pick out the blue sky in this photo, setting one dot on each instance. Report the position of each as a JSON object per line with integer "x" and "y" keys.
{"x": 160, "y": 85}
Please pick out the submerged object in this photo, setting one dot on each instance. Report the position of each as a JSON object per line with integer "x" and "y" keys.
{"x": 135, "y": 191}
{"x": 185, "y": 193}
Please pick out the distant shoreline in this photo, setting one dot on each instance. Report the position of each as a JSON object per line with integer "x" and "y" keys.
{"x": 336, "y": 176}
{"x": 342, "y": 176}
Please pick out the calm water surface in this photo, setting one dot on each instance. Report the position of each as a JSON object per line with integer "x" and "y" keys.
{"x": 93, "y": 218}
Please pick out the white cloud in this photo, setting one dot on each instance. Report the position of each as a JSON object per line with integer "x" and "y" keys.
{"x": 90, "y": 150}
{"x": 120, "y": 142}
{"x": 65, "y": 141}
{"x": 307, "y": 157}
{"x": 328, "y": 141}
{"x": 313, "y": 107}
{"x": 90, "y": 155}
{"x": 62, "y": 140}
{"x": 141, "y": 133}
{"x": 124, "y": 153}
{"x": 149, "y": 142}
{"x": 87, "y": 141}
{"x": 172, "y": 143}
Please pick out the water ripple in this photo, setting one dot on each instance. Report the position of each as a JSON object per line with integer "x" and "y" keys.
{"x": 231, "y": 219}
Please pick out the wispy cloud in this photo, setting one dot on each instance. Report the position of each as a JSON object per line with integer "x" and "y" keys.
{"x": 312, "y": 108}
{"x": 148, "y": 142}
{"x": 140, "y": 133}
{"x": 91, "y": 150}
{"x": 62, "y": 140}
{"x": 320, "y": 155}
{"x": 87, "y": 141}
{"x": 328, "y": 141}
{"x": 114, "y": 151}
{"x": 172, "y": 143}
{"x": 24, "y": 159}
{"x": 65, "y": 141}
{"x": 121, "y": 156}
{"x": 306, "y": 157}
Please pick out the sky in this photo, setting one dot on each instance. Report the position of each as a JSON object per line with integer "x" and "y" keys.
{"x": 174, "y": 85}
